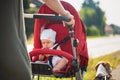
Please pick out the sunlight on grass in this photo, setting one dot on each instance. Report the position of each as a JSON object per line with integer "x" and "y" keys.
{"x": 30, "y": 39}
{"x": 90, "y": 37}
{"x": 52, "y": 78}
{"x": 113, "y": 58}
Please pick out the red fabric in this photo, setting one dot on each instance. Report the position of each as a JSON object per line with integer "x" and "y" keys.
{"x": 62, "y": 32}
{"x": 36, "y": 52}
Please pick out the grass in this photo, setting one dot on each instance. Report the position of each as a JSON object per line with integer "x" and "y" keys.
{"x": 113, "y": 58}
{"x": 91, "y": 37}
{"x": 30, "y": 39}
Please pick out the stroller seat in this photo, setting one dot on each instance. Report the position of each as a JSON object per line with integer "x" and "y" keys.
{"x": 42, "y": 68}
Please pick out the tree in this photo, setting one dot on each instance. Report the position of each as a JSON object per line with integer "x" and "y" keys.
{"x": 92, "y": 14}
{"x": 26, "y": 4}
{"x": 87, "y": 15}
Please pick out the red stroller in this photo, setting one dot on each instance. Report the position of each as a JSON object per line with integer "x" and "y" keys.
{"x": 76, "y": 53}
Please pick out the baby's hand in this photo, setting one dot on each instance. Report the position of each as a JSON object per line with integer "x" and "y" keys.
{"x": 47, "y": 55}
{"x": 41, "y": 57}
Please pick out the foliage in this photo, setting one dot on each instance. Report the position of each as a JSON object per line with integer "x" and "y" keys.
{"x": 30, "y": 39}
{"x": 31, "y": 10}
{"x": 26, "y": 4}
{"x": 90, "y": 3}
{"x": 29, "y": 22}
{"x": 91, "y": 14}
{"x": 93, "y": 31}
{"x": 87, "y": 15}
{"x": 29, "y": 25}
{"x": 116, "y": 28}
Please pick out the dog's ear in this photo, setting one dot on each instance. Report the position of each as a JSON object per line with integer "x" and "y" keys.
{"x": 104, "y": 63}
{"x": 107, "y": 66}
{"x": 96, "y": 66}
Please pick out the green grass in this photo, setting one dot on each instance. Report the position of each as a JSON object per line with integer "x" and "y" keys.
{"x": 90, "y": 37}
{"x": 113, "y": 58}
{"x": 93, "y": 36}
{"x": 52, "y": 78}
{"x": 30, "y": 39}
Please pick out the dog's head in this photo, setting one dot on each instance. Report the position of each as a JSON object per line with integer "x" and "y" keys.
{"x": 103, "y": 68}
{"x": 105, "y": 64}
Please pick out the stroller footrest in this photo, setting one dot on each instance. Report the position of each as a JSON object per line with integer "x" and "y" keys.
{"x": 41, "y": 68}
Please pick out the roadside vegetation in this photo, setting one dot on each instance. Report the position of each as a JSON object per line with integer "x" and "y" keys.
{"x": 113, "y": 58}
{"x": 91, "y": 37}
{"x": 30, "y": 39}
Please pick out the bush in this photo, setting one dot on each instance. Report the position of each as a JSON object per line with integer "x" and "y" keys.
{"x": 29, "y": 26}
{"x": 93, "y": 31}
{"x": 29, "y": 22}
{"x": 31, "y": 10}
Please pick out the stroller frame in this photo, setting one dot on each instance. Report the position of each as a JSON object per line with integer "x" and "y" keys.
{"x": 75, "y": 62}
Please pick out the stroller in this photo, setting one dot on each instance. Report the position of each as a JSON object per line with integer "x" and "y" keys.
{"x": 71, "y": 49}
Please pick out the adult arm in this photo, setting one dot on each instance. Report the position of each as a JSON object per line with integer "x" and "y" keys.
{"x": 56, "y": 6}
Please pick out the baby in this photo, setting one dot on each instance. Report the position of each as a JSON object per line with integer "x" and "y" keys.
{"x": 48, "y": 40}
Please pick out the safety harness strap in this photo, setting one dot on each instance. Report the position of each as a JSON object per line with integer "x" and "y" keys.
{"x": 62, "y": 41}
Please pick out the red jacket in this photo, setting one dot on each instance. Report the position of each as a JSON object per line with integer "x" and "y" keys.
{"x": 62, "y": 32}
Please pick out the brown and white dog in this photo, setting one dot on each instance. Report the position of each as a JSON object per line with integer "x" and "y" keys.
{"x": 103, "y": 71}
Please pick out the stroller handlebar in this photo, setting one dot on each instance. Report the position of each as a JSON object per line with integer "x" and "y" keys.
{"x": 51, "y": 17}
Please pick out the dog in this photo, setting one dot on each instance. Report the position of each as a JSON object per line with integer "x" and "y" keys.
{"x": 103, "y": 71}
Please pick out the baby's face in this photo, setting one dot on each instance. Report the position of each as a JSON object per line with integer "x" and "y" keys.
{"x": 47, "y": 43}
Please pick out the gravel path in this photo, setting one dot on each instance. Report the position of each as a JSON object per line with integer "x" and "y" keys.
{"x": 116, "y": 73}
